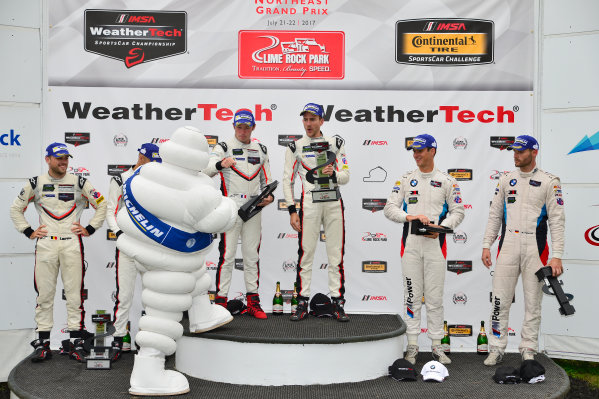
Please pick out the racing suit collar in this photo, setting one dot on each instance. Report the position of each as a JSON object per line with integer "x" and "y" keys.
{"x": 240, "y": 144}
{"x": 426, "y": 175}
{"x": 527, "y": 174}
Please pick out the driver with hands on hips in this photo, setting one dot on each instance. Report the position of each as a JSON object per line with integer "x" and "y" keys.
{"x": 524, "y": 201}
{"x": 59, "y": 198}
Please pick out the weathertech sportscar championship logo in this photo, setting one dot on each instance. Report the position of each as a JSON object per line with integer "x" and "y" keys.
{"x": 291, "y": 54}
{"x": 135, "y": 37}
{"x": 502, "y": 142}
{"x": 374, "y": 204}
{"x": 438, "y": 42}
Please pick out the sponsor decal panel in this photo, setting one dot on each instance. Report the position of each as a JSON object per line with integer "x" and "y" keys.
{"x": 76, "y": 138}
{"x": 460, "y": 237}
{"x": 592, "y": 235}
{"x": 286, "y": 139}
{"x": 439, "y": 42}
{"x": 116, "y": 170}
{"x": 460, "y": 298}
{"x": 238, "y": 264}
{"x": 374, "y": 204}
{"x": 282, "y": 205}
{"x": 374, "y": 298}
{"x": 460, "y": 330}
{"x": 460, "y": 143}
{"x": 135, "y": 37}
{"x": 110, "y": 236}
{"x": 461, "y": 174}
{"x": 374, "y": 266}
{"x": 502, "y": 142}
{"x": 120, "y": 140}
{"x": 270, "y": 54}
{"x": 212, "y": 140}
{"x": 289, "y": 265}
{"x": 374, "y": 237}
{"x": 459, "y": 266}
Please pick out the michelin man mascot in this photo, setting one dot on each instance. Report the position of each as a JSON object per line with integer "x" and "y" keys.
{"x": 170, "y": 212}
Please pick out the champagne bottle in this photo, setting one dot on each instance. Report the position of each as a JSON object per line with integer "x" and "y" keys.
{"x": 127, "y": 339}
{"x": 277, "y": 301}
{"x": 482, "y": 344}
{"x": 294, "y": 299}
{"x": 445, "y": 341}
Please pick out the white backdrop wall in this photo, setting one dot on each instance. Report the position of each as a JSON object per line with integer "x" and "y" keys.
{"x": 208, "y": 74}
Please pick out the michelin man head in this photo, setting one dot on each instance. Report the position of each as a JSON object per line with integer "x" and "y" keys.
{"x": 187, "y": 148}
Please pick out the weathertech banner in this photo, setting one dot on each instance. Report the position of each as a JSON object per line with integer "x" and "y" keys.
{"x": 134, "y": 74}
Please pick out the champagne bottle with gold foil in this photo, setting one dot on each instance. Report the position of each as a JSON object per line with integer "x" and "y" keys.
{"x": 482, "y": 344}
{"x": 445, "y": 341}
{"x": 277, "y": 301}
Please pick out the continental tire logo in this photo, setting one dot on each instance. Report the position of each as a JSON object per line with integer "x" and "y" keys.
{"x": 460, "y": 174}
{"x": 212, "y": 140}
{"x": 439, "y": 42}
{"x": 374, "y": 266}
{"x": 459, "y": 330}
{"x": 135, "y": 37}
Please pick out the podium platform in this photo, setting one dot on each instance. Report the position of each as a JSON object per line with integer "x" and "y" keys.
{"x": 64, "y": 378}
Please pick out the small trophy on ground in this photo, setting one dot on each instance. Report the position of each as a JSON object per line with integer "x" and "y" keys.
{"x": 326, "y": 188}
{"x": 99, "y": 353}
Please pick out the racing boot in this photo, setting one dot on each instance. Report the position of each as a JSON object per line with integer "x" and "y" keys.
{"x": 41, "y": 350}
{"x": 115, "y": 350}
{"x": 253, "y": 306}
{"x": 439, "y": 355}
{"x": 495, "y": 357}
{"x": 339, "y": 312}
{"x": 302, "y": 310}
{"x": 149, "y": 378}
{"x": 411, "y": 353}
{"x": 221, "y": 300}
{"x": 76, "y": 350}
{"x": 527, "y": 354}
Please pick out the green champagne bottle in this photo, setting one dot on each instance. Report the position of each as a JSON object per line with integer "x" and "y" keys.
{"x": 277, "y": 301}
{"x": 445, "y": 341}
{"x": 127, "y": 339}
{"x": 482, "y": 344}
{"x": 294, "y": 299}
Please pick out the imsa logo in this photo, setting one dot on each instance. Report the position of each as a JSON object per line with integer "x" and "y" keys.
{"x": 374, "y": 298}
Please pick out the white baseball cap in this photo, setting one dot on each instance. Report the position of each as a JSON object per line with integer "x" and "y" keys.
{"x": 434, "y": 370}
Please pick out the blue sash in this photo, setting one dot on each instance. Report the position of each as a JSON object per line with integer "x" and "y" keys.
{"x": 159, "y": 231}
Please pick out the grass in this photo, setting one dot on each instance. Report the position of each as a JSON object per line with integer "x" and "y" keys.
{"x": 586, "y": 371}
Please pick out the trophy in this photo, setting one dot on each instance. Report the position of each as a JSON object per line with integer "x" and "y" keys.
{"x": 326, "y": 188}
{"x": 251, "y": 208}
{"x": 546, "y": 274}
{"x": 99, "y": 354}
{"x": 420, "y": 229}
